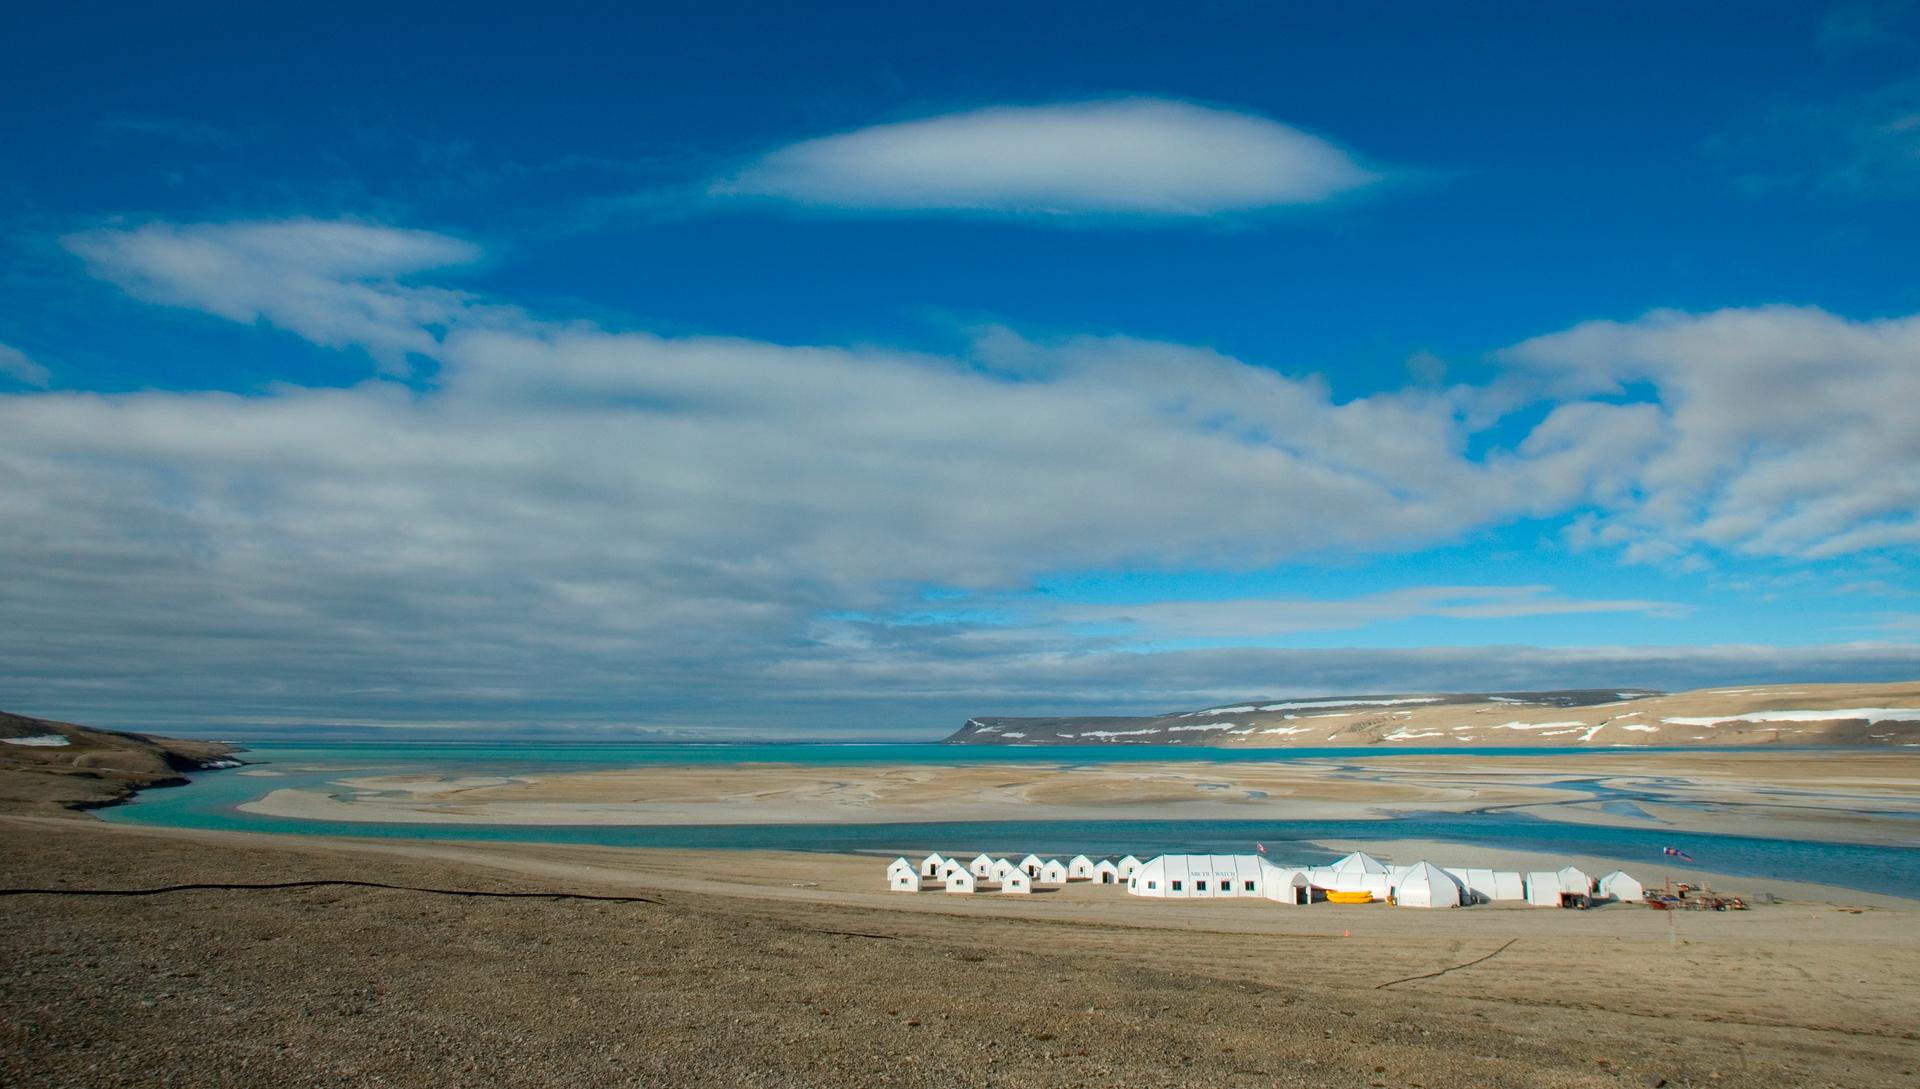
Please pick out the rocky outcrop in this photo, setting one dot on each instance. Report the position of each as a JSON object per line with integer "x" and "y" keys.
{"x": 48, "y": 766}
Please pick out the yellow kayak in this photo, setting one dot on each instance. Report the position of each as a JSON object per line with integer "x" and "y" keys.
{"x": 1349, "y": 897}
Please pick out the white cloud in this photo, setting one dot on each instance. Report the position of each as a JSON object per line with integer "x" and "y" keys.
{"x": 625, "y": 527}
{"x": 1138, "y": 156}
{"x": 1781, "y": 430}
{"x": 336, "y": 283}
{"x": 1266, "y": 618}
{"x": 18, "y": 365}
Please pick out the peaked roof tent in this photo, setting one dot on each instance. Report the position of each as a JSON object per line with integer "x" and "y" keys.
{"x": 1427, "y": 886}
{"x": 1359, "y": 862}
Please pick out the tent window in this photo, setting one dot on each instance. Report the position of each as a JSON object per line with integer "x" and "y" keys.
{"x": 1200, "y": 886}
{"x": 1176, "y": 886}
{"x": 1153, "y": 884}
{"x": 1249, "y": 886}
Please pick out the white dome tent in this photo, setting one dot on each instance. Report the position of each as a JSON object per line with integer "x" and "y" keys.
{"x": 1427, "y": 886}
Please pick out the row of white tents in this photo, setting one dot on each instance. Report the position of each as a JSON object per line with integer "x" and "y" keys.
{"x": 963, "y": 876}
{"x": 1421, "y": 884}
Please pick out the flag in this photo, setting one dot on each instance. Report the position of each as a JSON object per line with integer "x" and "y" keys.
{"x": 1675, "y": 852}
{"x": 1261, "y": 847}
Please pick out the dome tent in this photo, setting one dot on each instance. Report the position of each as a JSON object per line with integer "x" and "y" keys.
{"x": 1427, "y": 886}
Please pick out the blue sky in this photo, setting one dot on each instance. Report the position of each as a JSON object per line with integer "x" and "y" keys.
{"x": 752, "y": 370}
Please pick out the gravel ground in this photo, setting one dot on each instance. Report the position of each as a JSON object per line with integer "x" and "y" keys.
{"x": 366, "y": 987}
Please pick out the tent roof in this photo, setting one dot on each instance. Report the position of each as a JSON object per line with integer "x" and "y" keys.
{"x": 1359, "y": 862}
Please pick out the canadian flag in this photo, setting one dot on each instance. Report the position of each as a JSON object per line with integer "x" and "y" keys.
{"x": 1261, "y": 847}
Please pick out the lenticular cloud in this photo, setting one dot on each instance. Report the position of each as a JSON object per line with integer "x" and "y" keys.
{"x": 1127, "y": 157}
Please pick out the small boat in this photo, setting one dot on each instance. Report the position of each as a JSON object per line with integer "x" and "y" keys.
{"x": 1335, "y": 897}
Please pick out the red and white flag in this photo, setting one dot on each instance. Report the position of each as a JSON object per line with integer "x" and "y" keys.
{"x": 1261, "y": 847}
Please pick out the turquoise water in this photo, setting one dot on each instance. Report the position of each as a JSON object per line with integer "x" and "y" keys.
{"x": 210, "y": 801}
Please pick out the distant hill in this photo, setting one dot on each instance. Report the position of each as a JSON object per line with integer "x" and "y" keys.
{"x": 49, "y": 766}
{"x": 1824, "y": 714}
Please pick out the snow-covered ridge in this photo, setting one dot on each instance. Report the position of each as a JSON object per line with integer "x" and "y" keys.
{"x": 38, "y": 741}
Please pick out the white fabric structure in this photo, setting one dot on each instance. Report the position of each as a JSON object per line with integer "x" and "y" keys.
{"x": 1286, "y": 885}
{"x": 900, "y": 866}
{"x": 930, "y": 865}
{"x": 1080, "y": 868}
{"x": 1619, "y": 886}
{"x": 1425, "y": 885}
{"x": 1543, "y": 888}
{"x": 981, "y": 867}
{"x": 1476, "y": 885}
{"x": 959, "y": 880}
{"x": 1199, "y": 876}
{"x": 1053, "y": 872}
{"x": 1002, "y": 867}
{"x": 1358, "y": 863}
{"x": 1031, "y": 864}
{"x": 1016, "y": 883}
{"x": 907, "y": 880}
{"x": 1509, "y": 885}
{"x": 1352, "y": 879}
{"x": 1107, "y": 872}
{"x": 1128, "y": 867}
{"x": 950, "y": 867}
{"x": 1575, "y": 880}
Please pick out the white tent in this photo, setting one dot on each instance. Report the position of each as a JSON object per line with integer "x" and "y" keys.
{"x": 1128, "y": 867}
{"x": 950, "y": 867}
{"x": 1199, "y": 876}
{"x": 1359, "y": 862}
{"x": 1286, "y": 885}
{"x": 930, "y": 865}
{"x": 1016, "y": 883}
{"x": 1427, "y": 886}
{"x": 1479, "y": 883}
{"x": 1032, "y": 864}
{"x": 899, "y": 866}
{"x": 1053, "y": 872}
{"x": 1543, "y": 888}
{"x": 1509, "y": 885}
{"x": 907, "y": 880}
{"x": 1575, "y": 880}
{"x": 1107, "y": 872}
{"x": 1619, "y": 886}
{"x": 981, "y": 867}
{"x": 960, "y": 881}
{"x": 1002, "y": 867}
{"x": 1080, "y": 868}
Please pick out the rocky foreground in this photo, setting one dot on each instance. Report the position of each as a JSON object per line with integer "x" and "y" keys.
{"x": 58, "y": 767}
{"x": 725, "y": 975}
{"x": 1810, "y": 714}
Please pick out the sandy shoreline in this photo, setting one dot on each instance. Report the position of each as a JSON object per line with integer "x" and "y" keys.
{"x": 1856, "y": 797}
